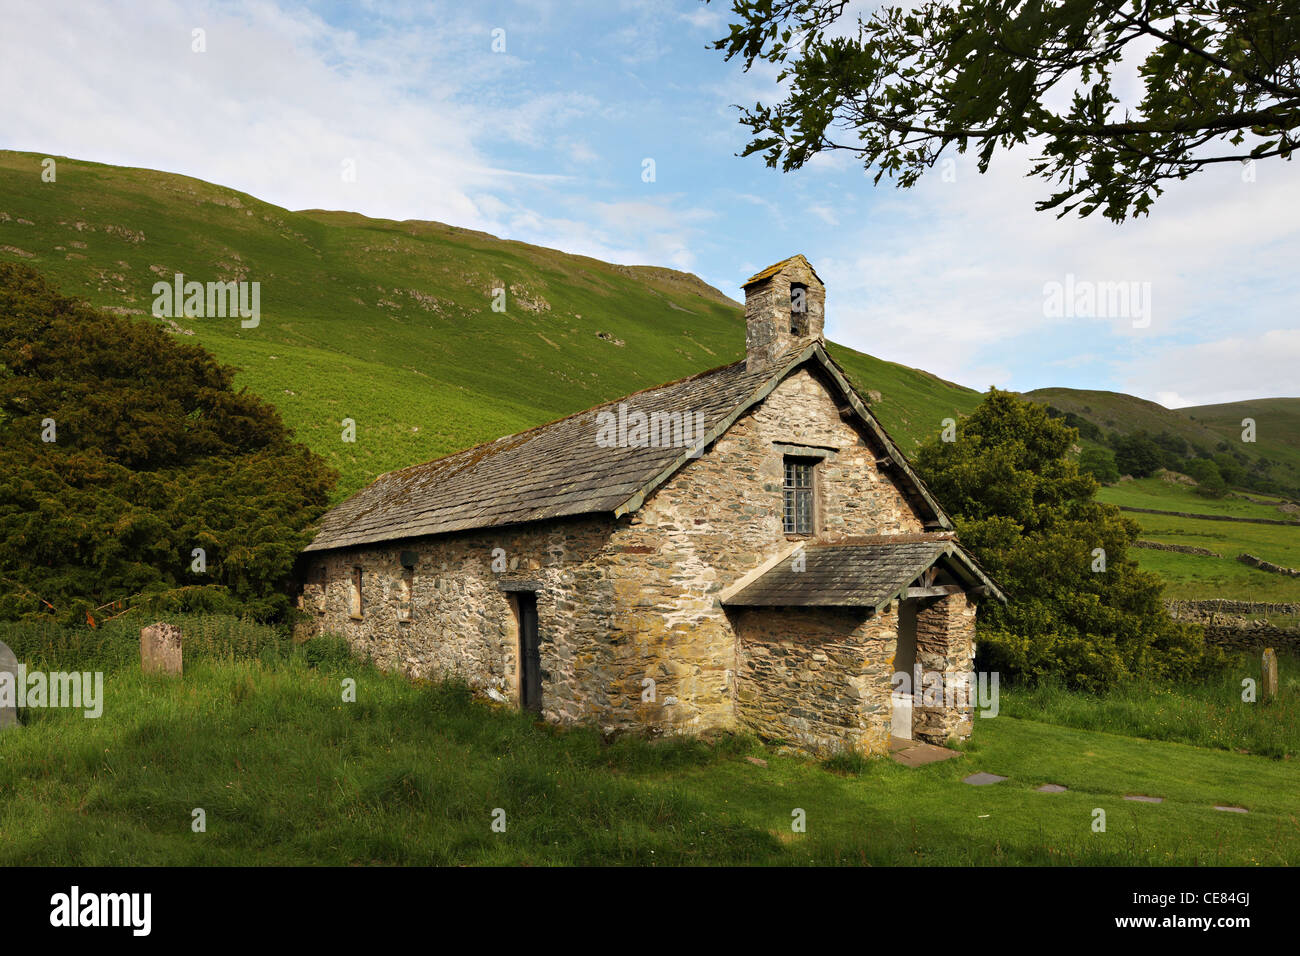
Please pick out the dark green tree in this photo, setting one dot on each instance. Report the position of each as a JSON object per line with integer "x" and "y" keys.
{"x": 153, "y": 454}
{"x": 1230, "y": 468}
{"x": 1137, "y": 454}
{"x": 1209, "y": 482}
{"x": 1099, "y": 463}
{"x": 898, "y": 86}
{"x": 1079, "y": 608}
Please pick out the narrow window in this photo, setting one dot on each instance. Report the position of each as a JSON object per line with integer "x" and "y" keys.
{"x": 354, "y": 594}
{"x": 404, "y": 594}
{"x": 798, "y": 512}
{"x": 406, "y": 586}
{"x": 798, "y": 308}
{"x": 322, "y": 588}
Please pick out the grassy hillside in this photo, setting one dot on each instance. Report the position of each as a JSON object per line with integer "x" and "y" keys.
{"x": 1277, "y": 423}
{"x": 390, "y": 323}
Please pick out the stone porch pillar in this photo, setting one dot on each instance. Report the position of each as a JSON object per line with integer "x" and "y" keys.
{"x": 945, "y": 651}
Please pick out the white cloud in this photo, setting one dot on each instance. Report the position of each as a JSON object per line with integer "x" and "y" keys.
{"x": 1225, "y": 370}
{"x": 951, "y": 275}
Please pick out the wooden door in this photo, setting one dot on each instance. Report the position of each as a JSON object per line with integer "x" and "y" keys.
{"x": 530, "y": 659}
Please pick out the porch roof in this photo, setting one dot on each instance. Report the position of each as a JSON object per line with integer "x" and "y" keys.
{"x": 864, "y": 573}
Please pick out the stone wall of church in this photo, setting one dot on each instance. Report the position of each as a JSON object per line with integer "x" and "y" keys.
{"x": 817, "y": 678}
{"x": 461, "y": 620}
{"x": 714, "y": 521}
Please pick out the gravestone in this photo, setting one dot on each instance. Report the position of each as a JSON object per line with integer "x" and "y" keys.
{"x": 9, "y": 707}
{"x": 160, "y": 649}
{"x": 1268, "y": 675}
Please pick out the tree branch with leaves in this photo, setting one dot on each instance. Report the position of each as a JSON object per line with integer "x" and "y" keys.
{"x": 900, "y": 86}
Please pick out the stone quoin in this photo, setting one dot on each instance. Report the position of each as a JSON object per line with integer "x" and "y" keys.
{"x": 771, "y": 576}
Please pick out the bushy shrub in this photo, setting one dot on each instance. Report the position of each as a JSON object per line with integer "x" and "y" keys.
{"x": 1099, "y": 463}
{"x": 122, "y": 451}
{"x": 1209, "y": 482}
{"x": 1078, "y": 607}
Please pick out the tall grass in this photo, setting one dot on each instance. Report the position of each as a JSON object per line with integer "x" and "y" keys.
{"x": 1208, "y": 712}
{"x": 46, "y": 645}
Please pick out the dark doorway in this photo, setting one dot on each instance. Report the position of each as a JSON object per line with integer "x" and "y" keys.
{"x": 530, "y": 657}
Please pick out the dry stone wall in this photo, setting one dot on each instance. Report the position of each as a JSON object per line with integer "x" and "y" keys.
{"x": 1241, "y": 625}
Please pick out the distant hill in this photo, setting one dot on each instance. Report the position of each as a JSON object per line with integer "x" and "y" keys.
{"x": 390, "y": 323}
{"x": 1277, "y": 423}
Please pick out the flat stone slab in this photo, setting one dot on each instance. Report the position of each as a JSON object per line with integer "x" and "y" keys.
{"x": 1051, "y": 788}
{"x": 1231, "y": 809}
{"x": 983, "y": 779}
{"x": 916, "y": 753}
{"x": 1143, "y": 798}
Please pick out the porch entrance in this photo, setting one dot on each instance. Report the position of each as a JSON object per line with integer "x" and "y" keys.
{"x": 903, "y": 696}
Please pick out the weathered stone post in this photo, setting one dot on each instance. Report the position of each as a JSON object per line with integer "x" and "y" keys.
{"x": 945, "y": 651}
{"x": 1268, "y": 675}
{"x": 160, "y": 649}
{"x": 9, "y": 696}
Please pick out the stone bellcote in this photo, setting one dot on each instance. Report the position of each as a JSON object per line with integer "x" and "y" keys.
{"x": 785, "y": 308}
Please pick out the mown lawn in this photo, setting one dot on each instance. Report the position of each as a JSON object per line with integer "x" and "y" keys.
{"x": 288, "y": 773}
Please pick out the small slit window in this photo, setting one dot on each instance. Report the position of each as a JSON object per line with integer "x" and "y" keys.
{"x": 322, "y": 588}
{"x": 404, "y": 588}
{"x": 798, "y": 308}
{"x": 797, "y": 516}
{"x": 354, "y": 594}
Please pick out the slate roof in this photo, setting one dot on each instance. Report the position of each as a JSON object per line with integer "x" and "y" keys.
{"x": 774, "y": 269}
{"x": 864, "y": 572}
{"x": 559, "y": 469}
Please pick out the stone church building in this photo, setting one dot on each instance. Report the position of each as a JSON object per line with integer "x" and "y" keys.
{"x": 744, "y": 549}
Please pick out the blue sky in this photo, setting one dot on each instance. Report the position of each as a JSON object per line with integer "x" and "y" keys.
{"x": 546, "y": 142}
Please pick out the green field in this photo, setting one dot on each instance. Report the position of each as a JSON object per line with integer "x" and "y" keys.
{"x": 390, "y": 323}
{"x": 1198, "y": 577}
{"x": 412, "y": 774}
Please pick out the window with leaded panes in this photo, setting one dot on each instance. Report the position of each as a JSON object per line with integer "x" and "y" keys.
{"x": 798, "y": 512}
